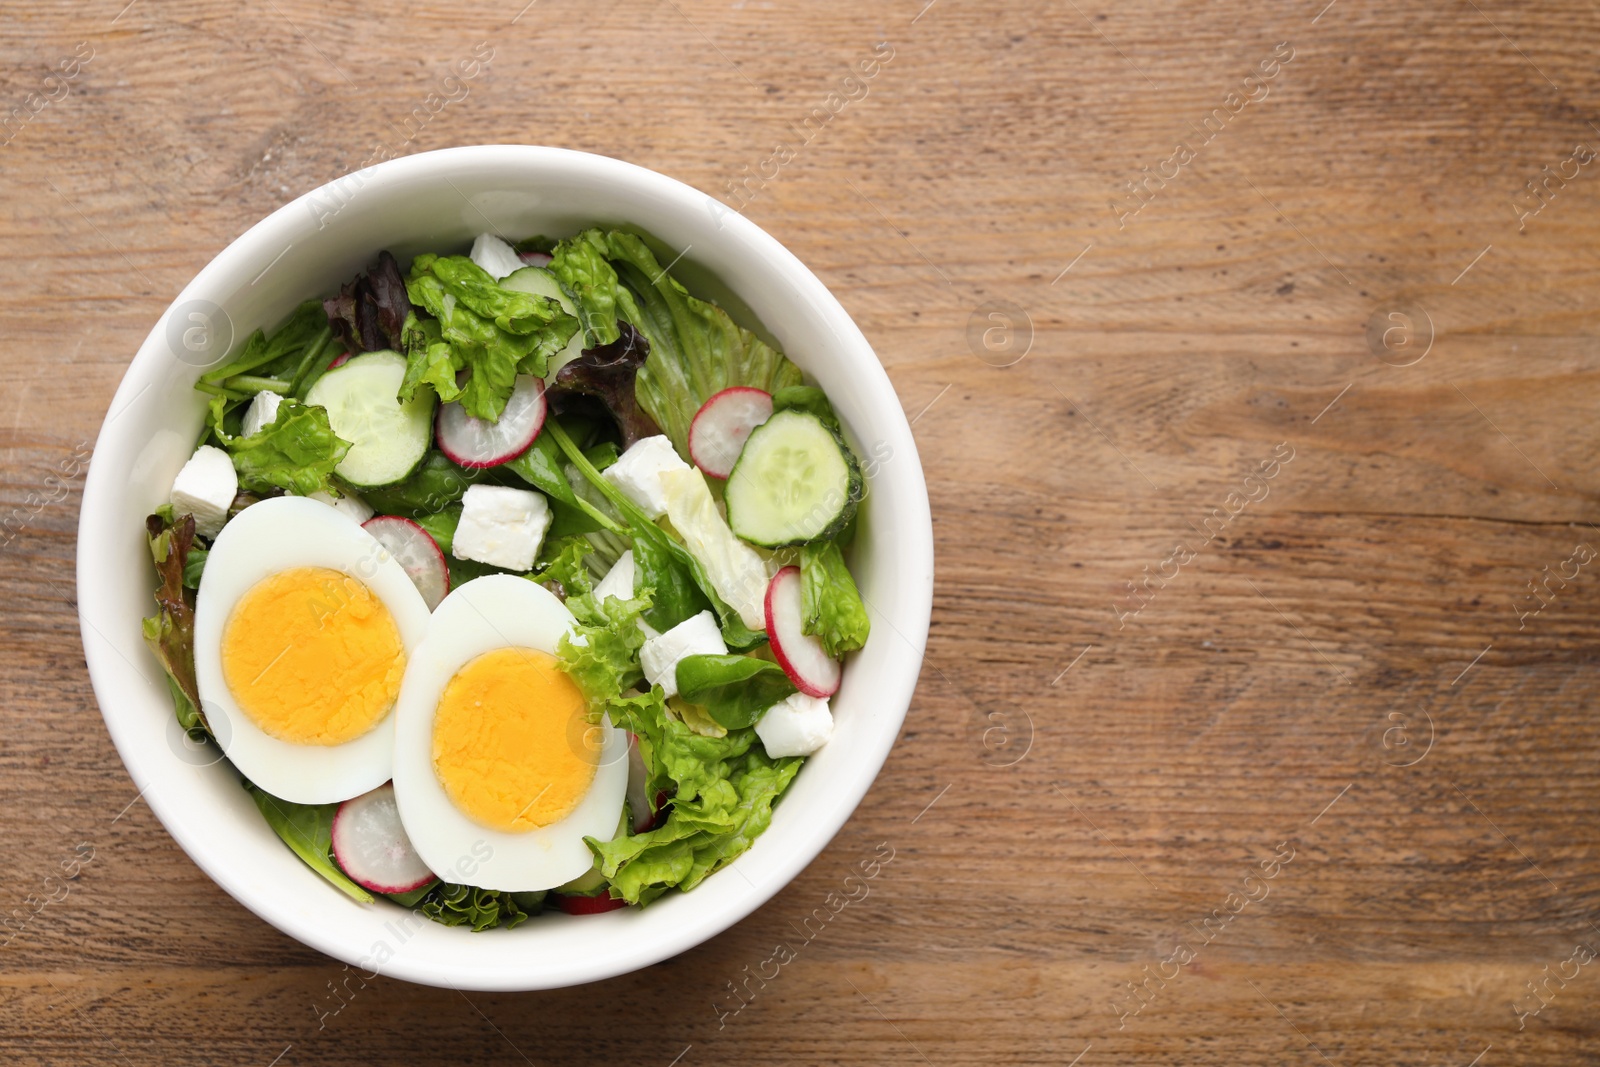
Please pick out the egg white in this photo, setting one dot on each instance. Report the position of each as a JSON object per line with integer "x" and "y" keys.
{"x": 276, "y": 535}
{"x": 495, "y": 611}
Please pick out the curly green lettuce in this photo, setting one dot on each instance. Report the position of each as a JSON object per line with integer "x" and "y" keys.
{"x": 491, "y": 332}
{"x": 830, "y": 605}
{"x": 296, "y": 453}
{"x": 722, "y": 791}
{"x": 482, "y": 909}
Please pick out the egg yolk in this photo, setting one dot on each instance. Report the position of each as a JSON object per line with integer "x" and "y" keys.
{"x": 312, "y": 656}
{"x": 511, "y": 743}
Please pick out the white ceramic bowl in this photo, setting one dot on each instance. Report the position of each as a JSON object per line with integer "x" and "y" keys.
{"x": 437, "y": 202}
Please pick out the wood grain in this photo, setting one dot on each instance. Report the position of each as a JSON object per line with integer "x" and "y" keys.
{"x": 1341, "y": 668}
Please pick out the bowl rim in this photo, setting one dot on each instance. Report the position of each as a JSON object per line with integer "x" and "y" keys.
{"x": 912, "y": 559}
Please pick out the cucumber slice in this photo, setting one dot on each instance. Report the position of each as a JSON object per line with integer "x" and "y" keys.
{"x": 388, "y": 439}
{"x": 796, "y": 481}
{"x": 541, "y": 282}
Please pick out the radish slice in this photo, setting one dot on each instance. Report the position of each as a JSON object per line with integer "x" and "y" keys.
{"x": 587, "y": 905}
{"x": 801, "y": 655}
{"x": 473, "y": 442}
{"x": 372, "y": 847}
{"x": 535, "y": 259}
{"x": 720, "y": 427}
{"x": 340, "y": 360}
{"x": 417, "y": 553}
{"x": 644, "y": 813}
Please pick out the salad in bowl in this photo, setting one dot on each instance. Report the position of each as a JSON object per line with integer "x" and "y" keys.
{"x": 511, "y": 581}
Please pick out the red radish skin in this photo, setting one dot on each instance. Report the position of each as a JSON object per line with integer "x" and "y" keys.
{"x": 475, "y": 443}
{"x": 587, "y": 905}
{"x": 801, "y": 655}
{"x": 418, "y": 554}
{"x": 371, "y": 846}
{"x": 723, "y": 424}
{"x": 340, "y": 360}
{"x": 535, "y": 259}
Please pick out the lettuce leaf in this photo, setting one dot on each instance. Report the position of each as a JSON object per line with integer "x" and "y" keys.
{"x": 493, "y": 333}
{"x": 462, "y": 905}
{"x": 604, "y": 660}
{"x": 170, "y": 632}
{"x": 641, "y": 529}
{"x": 806, "y": 398}
{"x": 734, "y": 690}
{"x": 297, "y": 452}
{"x": 723, "y": 790}
{"x": 579, "y": 263}
{"x": 830, "y": 604}
{"x": 695, "y": 349}
{"x": 609, "y": 373}
{"x": 371, "y": 310}
{"x": 308, "y": 830}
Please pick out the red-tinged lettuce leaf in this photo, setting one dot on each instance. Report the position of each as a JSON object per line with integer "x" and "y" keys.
{"x": 609, "y": 373}
{"x": 170, "y": 632}
{"x": 369, "y": 314}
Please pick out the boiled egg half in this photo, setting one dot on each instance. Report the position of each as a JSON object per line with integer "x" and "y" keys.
{"x": 498, "y": 773}
{"x": 303, "y": 630}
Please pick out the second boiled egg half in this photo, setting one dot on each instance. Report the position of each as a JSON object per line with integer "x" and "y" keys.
{"x": 498, "y": 773}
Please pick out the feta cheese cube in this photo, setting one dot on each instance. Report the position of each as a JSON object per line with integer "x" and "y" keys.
{"x": 618, "y": 581}
{"x": 697, "y": 636}
{"x": 736, "y": 571}
{"x": 358, "y": 510}
{"x": 501, "y": 526}
{"x": 637, "y": 472}
{"x": 262, "y": 412}
{"x": 205, "y": 488}
{"x": 797, "y": 727}
{"x": 495, "y": 256}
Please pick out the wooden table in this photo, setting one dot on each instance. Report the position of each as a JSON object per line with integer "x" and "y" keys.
{"x": 1237, "y": 689}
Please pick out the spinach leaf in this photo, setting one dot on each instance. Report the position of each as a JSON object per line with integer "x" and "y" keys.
{"x": 308, "y": 830}
{"x": 441, "y": 526}
{"x": 674, "y": 596}
{"x": 434, "y": 486}
{"x": 735, "y": 690}
{"x": 830, "y": 604}
{"x": 494, "y": 333}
